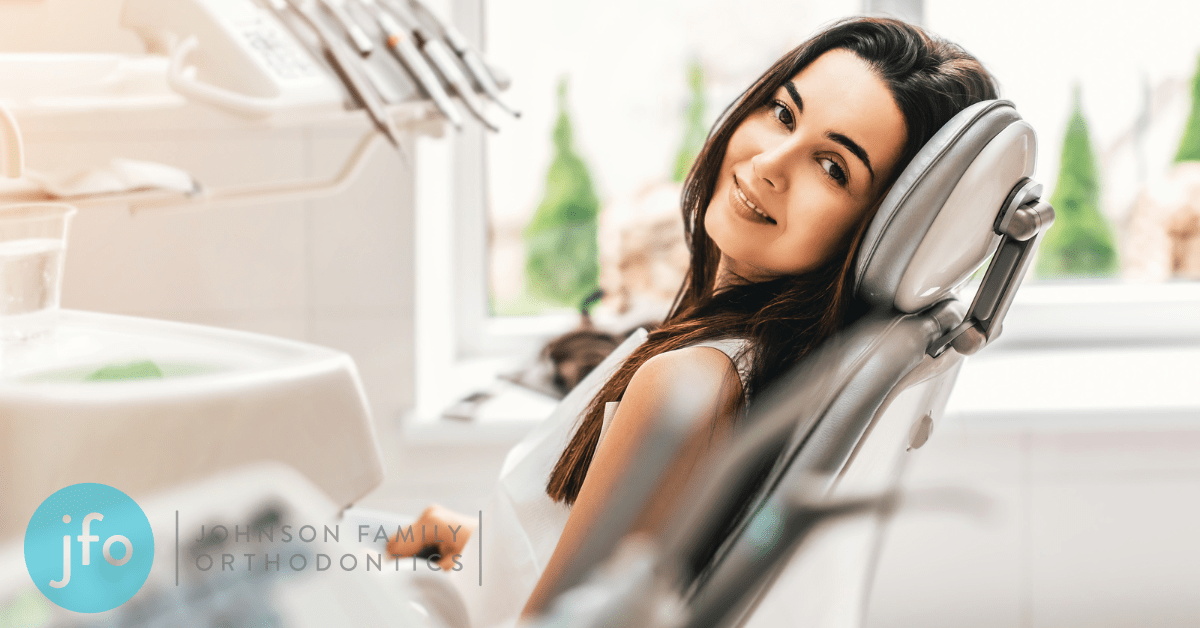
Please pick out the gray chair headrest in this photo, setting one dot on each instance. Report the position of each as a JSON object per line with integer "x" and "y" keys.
{"x": 936, "y": 225}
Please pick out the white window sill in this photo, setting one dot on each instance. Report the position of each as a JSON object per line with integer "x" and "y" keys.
{"x": 1089, "y": 313}
{"x": 508, "y": 413}
{"x": 1121, "y": 387}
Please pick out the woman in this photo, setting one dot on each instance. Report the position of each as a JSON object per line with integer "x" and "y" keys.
{"x": 774, "y": 208}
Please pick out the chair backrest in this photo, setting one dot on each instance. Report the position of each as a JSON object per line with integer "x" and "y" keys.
{"x": 858, "y": 406}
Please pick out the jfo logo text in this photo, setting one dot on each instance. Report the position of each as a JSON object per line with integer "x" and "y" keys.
{"x": 64, "y": 535}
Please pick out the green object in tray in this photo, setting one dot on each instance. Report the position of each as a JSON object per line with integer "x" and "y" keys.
{"x": 144, "y": 369}
{"x": 134, "y": 370}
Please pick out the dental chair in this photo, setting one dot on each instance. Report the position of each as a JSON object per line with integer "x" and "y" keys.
{"x": 832, "y": 438}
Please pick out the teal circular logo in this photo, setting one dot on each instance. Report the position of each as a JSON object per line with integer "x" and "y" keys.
{"x": 89, "y": 548}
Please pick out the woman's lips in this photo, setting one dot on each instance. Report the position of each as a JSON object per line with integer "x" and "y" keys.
{"x": 744, "y": 207}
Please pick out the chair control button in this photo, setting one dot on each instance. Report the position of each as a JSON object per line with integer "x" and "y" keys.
{"x": 920, "y": 432}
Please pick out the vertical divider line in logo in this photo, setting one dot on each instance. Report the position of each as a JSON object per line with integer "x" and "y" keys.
{"x": 176, "y": 548}
{"x": 480, "y": 546}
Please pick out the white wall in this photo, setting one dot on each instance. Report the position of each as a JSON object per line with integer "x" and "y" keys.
{"x": 64, "y": 26}
{"x": 1088, "y": 527}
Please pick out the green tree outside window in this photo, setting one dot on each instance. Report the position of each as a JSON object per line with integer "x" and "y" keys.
{"x": 1081, "y": 242}
{"x": 562, "y": 264}
{"x": 694, "y": 131}
{"x": 1189, "y": 146}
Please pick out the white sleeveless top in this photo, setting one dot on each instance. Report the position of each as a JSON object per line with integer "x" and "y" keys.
{"x": 521, "y": 524}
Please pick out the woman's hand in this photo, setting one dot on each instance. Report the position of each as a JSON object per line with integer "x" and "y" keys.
{"x": 438, "y": 531}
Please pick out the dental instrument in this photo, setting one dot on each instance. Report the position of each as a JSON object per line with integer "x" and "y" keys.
{"x": 471, "y": 58}
{"x": 363, "y": 43}
{"x": 400, "y": 44}
{"x": 443, "y": 60}
{"x": 346, "y": 69}
{"x": 358, "y": 37}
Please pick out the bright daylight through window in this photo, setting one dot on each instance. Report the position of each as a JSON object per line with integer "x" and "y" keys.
{"x": 584, "y": 189}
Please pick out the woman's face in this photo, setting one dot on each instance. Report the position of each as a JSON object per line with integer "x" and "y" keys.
{"x": 803, "y": 169}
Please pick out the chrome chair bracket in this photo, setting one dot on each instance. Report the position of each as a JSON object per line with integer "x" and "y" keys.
{"x": 1022, "y": 221}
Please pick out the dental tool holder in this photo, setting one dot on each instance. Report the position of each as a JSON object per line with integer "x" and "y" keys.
{"x": 237, "y": 56}
{"x": 255, "y": 60}
{"x": 1021, "y": 223}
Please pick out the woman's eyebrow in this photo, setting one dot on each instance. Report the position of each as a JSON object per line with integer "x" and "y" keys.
{"x": 853, "y": 147}
{"x": 791, "y": 90}
{"x": 850, "y": 144}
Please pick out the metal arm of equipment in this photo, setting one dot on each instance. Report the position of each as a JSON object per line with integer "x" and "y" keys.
{"x": 251, "y": 194}
{"x": 202, "y": 198}
{"x": 1022, "y": 222}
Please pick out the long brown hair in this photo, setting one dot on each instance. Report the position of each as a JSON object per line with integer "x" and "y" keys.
{"x": 786, "y": 318}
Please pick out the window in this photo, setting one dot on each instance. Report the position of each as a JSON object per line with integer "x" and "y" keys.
{"x": 627, "y": 68}
{"x": 628, "y": 71}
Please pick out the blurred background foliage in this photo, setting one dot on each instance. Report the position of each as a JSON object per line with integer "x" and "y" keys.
{"x": 695, "y": 131}
{"x": 1081, "y": 242}
{"x": 562, "y": 252}
{"x": 1189, "y": 146}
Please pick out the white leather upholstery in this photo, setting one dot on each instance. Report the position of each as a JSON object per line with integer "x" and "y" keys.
{"x": 936, "y": 225}
{"x": 962, "y": 236}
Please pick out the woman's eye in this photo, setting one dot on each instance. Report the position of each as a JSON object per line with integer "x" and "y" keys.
{"x": 834, "y": 170}
{"x": 782, "y": 113}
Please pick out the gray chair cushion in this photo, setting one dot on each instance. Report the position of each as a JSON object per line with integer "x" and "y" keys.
{"x": 934, "y": 227}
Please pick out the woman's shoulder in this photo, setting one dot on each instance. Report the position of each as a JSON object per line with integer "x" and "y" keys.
{"x": 697, "y": 360}
{"x": 698, "y": 375}
{"x": 735, "y": 353}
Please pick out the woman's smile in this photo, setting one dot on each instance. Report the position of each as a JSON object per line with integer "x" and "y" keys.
{"x": 745, "y": 207}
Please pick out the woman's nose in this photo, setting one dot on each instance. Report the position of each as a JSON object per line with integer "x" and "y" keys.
{"x": 772, "y": 164}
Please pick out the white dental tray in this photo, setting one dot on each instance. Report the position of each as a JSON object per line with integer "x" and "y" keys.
{"x": 217, "y": 399}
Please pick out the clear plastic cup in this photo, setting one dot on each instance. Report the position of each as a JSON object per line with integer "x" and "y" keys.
{"x": 33, "y": 238}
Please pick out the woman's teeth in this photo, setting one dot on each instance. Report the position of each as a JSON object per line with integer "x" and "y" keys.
{"x": 751, "y": 205}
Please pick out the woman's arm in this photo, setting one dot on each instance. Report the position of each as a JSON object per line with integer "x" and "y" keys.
{"x": 711, "y": 390}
